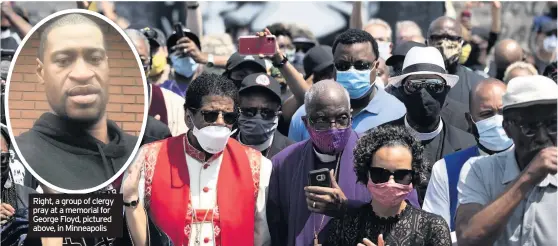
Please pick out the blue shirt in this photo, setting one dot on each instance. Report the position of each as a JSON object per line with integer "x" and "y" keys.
{"x": 382, "y": 108}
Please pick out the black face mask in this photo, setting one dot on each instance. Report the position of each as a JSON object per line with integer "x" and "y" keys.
{"x": 422, "y": 107}
{"x": 473, "y": 56}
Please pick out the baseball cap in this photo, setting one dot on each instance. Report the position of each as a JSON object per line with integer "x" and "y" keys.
{"x": 236, "y": 59}
{"x": 264, "y": 81}
{"x": 401, "y": 51}
{"x": 548, "y": 26}
{"x": 155, "y": 36}
{"x": 531, "y": 90}
{"x": 318, "y": 58}
{"x": 173, "y": 38}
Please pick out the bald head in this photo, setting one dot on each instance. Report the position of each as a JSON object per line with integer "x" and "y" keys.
{"x": 507, "y": 52}
{"x": 444, "y": 25}
{"x": 486, "y": 99}
{"x": 327, "y": 96}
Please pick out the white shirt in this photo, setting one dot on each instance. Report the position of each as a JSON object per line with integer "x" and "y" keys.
{"x": 200, "y": 178}
{"x": 437, "y": 198}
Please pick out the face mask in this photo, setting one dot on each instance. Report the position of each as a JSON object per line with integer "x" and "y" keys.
{"x": 465, "y": 52}
{"x": 356, "y": 82}
{"x": 389, "y": 194}
{"x": 549, "y": 44}
{"x": 423, "y": 108}
{"x": 158, "y": 64}
{"x": 212, "y": 139}
{"x": 185, "y": 66}
{"x": 492, "y": 135}
{"x": 330, "y": 141}
{"x": 299, "y": 57}
{"x": 256, "y": 130}
{"x": 290, "y": 54}
{"x": 384, "y": 49}
{"x": 451, "y": 51}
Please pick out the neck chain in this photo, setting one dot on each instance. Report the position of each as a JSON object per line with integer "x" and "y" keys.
{"x": 316, "y": 242}
{"x": 199, "y": 225}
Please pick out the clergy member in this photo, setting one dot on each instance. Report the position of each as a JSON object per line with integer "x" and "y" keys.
{"x": 202, "y": 187}
{"x": 296, "y": 212}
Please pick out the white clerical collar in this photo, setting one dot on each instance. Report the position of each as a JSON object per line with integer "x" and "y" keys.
{"x": 325, "y": 157}
{"x": 260, "y": 147}
{"x": 423, "y": 136}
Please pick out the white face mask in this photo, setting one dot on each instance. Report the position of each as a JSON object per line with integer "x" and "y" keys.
{"x": 549, "y": 43}
{"x": 492, "y": 135}
{"x": 212, "y": 139}
{"x": 383, "y": 48}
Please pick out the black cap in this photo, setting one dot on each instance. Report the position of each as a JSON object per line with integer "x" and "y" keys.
{"x": 262, "y": 80}
{"x": 401, "y": 50}
{"x": 236, "y": 59}
{"x": 317, "y": 59}
{"x": 173, "y": 38}
{"x": 155, "y": 36}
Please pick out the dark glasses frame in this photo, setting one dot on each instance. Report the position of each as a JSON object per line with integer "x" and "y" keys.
{"x": 210, "y": 116}
{"x": 411, "y": 86}
{"x": 380, "y": 175}
{"x": 265, "y": 113}
{"x": 358, "y": 65}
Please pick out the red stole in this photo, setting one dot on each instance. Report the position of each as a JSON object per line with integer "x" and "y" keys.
{"x": 236, "y": 200}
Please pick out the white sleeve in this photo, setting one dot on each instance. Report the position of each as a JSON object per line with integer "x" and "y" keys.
{"x": 437, "y": 198}
{"x": 261, "y": 230}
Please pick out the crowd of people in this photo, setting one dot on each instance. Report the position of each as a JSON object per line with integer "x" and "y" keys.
{"x": 447, "y": 138}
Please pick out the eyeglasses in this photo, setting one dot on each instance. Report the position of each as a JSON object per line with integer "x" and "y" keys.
{"x": 267, "y": 114}
{"x": 358, "y": 65}
{"x": 324, "y": 123}
{"x": 210, "y": 116}
{"x": 4, "y": 157}
{"x": 529, "y": 129}
{"x": 380, "y": 175}
{"x": 445, "y": 36}
{"x": 432, "y": 85}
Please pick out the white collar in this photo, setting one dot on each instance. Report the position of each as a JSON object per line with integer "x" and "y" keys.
{"x": 324, "y": 157}
{"x": 423, "y": 136}
{"x": 260, "y": 147}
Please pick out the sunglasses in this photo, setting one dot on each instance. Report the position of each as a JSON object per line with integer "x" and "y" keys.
{"x": 529, "y": 129}
{"x": 4, "y": 157}
{"x": 445, "y": 36}
{"x": 267, "y": 114}
{"x": 432, "y": 85}
{"x": 358, "y": 65}
{"x": 210, "y": 116}
{"x": 380, "y": 175}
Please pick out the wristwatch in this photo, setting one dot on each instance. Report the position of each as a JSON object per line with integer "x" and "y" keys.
{"x": 281, "y": 63}
{"x": 132, "y": 204}
{"x": 210, "y": 60}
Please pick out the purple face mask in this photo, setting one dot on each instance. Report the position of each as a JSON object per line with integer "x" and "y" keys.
{"x": 330, "y": 141}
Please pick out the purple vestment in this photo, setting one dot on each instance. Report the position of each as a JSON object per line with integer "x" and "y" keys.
{"x": 290, "y": 222}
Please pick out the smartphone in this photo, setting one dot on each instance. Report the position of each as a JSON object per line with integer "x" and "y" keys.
{"x": 178, "y": 30}
{"x": 319, "y": 177}
{"x": 256, "y": 45}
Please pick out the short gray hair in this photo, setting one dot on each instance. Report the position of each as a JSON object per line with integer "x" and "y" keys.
{"x": 137, "y": 36}
{"x": 320, "y": 88}
{"x": 412, "y": 26}
{"x": 522, "y": 65}
{"x": 379, "y": 22}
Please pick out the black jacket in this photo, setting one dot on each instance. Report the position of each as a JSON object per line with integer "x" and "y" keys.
{"x": 155, "y": 130}
{"x": 279, "y": 143}
{"x": 66, "y": 156}
{"x": 468, "y": 79}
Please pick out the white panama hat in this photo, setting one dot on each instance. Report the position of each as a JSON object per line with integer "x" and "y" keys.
{"x": 424, "y": 60}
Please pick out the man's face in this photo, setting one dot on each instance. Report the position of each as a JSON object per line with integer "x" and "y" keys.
{"x": 327, "y": 113}
{"x": 379, "y": 32}
{"x": 446, "y": 37}
{"x": 215, "y": 110}
{"x": 286, "y": 44}
{"x": 531, "y": 128}
{"x": 487, "y": 103}
{"x": 258, "y": 103}
{"x": 75, "y": 72}
{"x": 144, "y": 55}
{"x": 358, "y": 55}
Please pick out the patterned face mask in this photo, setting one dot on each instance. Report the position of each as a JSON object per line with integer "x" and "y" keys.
{"x": 451, "y": 50}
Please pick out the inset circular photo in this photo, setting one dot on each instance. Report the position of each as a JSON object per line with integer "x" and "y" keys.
{"x": 77, "y": 101}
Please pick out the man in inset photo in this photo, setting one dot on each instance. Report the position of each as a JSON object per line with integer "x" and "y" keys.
{"x": 74, "y": 145}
